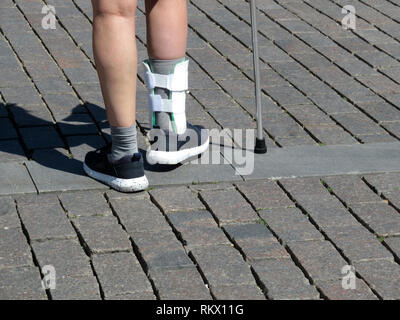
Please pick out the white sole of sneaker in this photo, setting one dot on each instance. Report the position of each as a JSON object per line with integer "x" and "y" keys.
{"x": 175, "y": 157}
{"x": 123, "y": 185}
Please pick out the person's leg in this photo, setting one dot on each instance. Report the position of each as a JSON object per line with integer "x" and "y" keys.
{"x": 115, "y": 54}
{"x": 167, "y": 31}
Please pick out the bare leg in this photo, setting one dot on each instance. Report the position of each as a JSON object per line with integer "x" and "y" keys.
{"x": 114, "y": 47}
{"x": 166, "y": 29}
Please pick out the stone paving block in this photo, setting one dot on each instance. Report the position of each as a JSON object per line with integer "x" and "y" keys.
{"x": 14, "y": 249}
{"x": 179, "y": 284}
{"x": 306, "y": 185}
{"x": 238, "y": 292}
{"x": 195, "y": 235}
{"x": 290, "y": 224}
{"x": 256, "y": 192}
{"x": 76, "y": 288}
{"x": 222, "y": 265}
{"x": 351, "y": 189}
{"x": 7, "y": 130}
{"x": 161, "y": 250}
{"x": 21, "y": 96}
{"x": 262, "y": 251}
{"x": 249, "y": 234}
{"x": 319, "y": 258}
{"x": 66, "y": 256}
{"x": 45, "y": 137}
{"x": 8, "y": 214}
{"x": 85, "y": 203}
{"x": 133, "y": 296}
{"x": 177, "y": 199}
{"x": 53, "y": 170}
{"x": 31, "y": 115}
{"x": 35, "y": 199}
{"x": 384, "y": 181}
{"x": 80, "y": 145}
{"x": 362, "y": 248}
{"x": 139, "y": 215}
{"x": 76, "y": 124}
{"x": 394, "y": 245}
{"x": 380, "y": 217}
{"x": 46, "y": 222}
{"x": 21, "y": 284}
{"x": 113, "y": 237}
{"x": 229, "y": 206}
{"x": 291, "y": 283}
{"x": 11, "y": 151}
{"x": 116, "y": 195}
{"x": 333, "y": 290}
{"x": 327, "y": 213}
{"x": 382, "y": 276}
{"x": 191, "y": 218}
{"x": 120, "y": 273}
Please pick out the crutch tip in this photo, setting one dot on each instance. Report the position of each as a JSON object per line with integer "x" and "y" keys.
{"x": 260, "y": 146}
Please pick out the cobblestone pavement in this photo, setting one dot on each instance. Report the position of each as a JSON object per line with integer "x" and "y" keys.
{"x": 330, "y": 96}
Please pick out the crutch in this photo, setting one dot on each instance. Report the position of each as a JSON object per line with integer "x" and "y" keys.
{"x": 260, "y": 146}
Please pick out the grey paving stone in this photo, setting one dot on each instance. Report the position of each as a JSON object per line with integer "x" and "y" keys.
{"x": 333, "y": 290}
{"x": 179, "y": 284}
{"x": 191, "y": 218}
{"x": 255, "y": 191}
{"x": 113, "y": 238}
{"x": 384, "y": 181}
{"x": 351, "y": 189}
{"x": 53, "y": 170}
{"x": 80, "y": 145}
{"x": 361, "y": 247}
{"x": 31, "y": 115}
{"x": 14, "y": 249}
{"x": 45, "y": 137}
{"x": 394, "y": 245}
{"x": 120, "y": 273}
{"x": 161, "y": 250}
{"x": 228, "y": 206}
{"x": 222, "y": 265}
{"x": 35, "y": 199}
{"x": 382, "y": 276}
{"x": 8, "y": 214}
{"x": 333, "y": 160}
{"x": 319, "y": 258}
{"x": 21, "y": 284}
{"x": 46, "y": 222}
{"x": 11, "y": 151}
{"x": 21, "y": 96}
{"x": 176, "y": 199}
{"x": 15, "y": 179}
{"x": 76, "y": 124}
{"x": 85, "y": 203}
{"x": 291, "y": 284}
{"x": 7, "y": 129}
{"x": 238, "y": 292}
{"x": 380, "y": 217}
{"x": 194, "y": 235}
{"x": 139, "y": 215}
{"x": 133, "y": 296}
{"x": 76, "y": 288}
{"x": 66, "y": 256}
{"x": 290, "y": 224}
{"x": 263, "y": 251}
{"x": 250, "y": 234}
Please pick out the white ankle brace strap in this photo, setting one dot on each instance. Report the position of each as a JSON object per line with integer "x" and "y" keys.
{"x": 177, "y": 84}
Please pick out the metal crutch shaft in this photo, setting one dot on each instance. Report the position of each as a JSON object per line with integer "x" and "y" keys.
{"x": 260, "y": 146}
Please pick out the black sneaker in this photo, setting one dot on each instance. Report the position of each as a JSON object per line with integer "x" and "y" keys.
{"x": 170, "y": 148}
{"x": 126, "y": 175}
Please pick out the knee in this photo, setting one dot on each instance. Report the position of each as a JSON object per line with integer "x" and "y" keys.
{"x": 119, "y": 8}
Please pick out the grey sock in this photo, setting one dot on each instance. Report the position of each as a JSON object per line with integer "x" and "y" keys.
{"x": 124, "y": 142}
{"x": 163, "y": 67}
